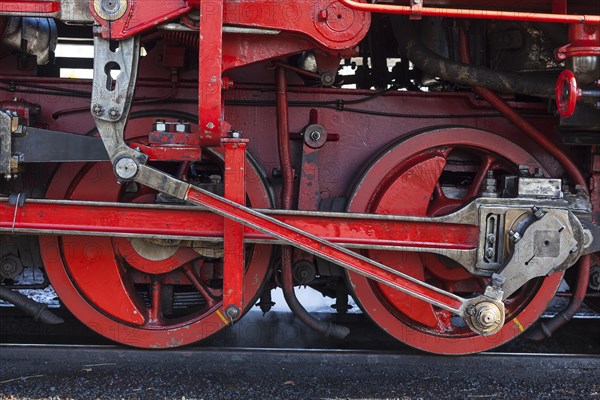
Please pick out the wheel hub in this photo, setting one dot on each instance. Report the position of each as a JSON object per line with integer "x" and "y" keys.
{"x": 486, "y": 317}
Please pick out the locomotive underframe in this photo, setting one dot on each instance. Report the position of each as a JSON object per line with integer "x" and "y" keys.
{"x": 541, "y": 225}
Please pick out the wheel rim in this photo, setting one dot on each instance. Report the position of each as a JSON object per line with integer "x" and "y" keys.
{"x": 143, "y": 295}
{"x": 434, "y": 173}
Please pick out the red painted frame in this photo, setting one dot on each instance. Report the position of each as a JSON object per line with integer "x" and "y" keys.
{"x": 92, "y": 218}
{"x": 472, "y": 13}
{"x": 211, "y": 126}
{"x": 233, "y": 248}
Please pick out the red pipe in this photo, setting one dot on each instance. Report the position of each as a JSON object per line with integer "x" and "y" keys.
{"x": 297, "y": 70}
{"x": 287, "y": 174}
{"x": 514, "y": 117}
{"x": 544, "y": 329}
{"x": 471, "y": 13}
{"x": 283, "y": 136}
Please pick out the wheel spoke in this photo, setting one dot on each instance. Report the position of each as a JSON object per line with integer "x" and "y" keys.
{"x": 155, "y": 312}
{"x": 438, "y": 192}
{"x": 440, "y": 203}
{"x": 209, "y": 294}
{"x": 477, "y": 183}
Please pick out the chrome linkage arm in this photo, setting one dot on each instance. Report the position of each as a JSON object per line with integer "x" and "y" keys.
{"x": 112, "y": 96}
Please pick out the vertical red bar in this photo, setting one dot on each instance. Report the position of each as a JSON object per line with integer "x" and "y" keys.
{"x": 234, "y": 257}
{"x": 210, "y": 60}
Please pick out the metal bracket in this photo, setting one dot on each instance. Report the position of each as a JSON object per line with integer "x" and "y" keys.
{"x": 416, "y": 9}
{"x": 212, "y": 127}
{"x": 39, "y": 145}
{"x": 592, "y": 237}
{"x": 314, "y": 136}
{"x": 233, "y": 248}
{"x": 547, "y": 242}
{"x": 115, "y": 76}
{"x": 5, "y": 143}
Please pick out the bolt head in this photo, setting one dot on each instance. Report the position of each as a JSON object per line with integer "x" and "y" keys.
{"x": 113, "y": 113}
{"x": 594, "y": 282}
{"x": 126, "y": 168}
{"x": 315, "y": 136}
{"x": 97, "y": 110}
{"x": 10, "y": 266}
{"x": 232, "y": 312}
{"x": 160, "y": 126}
{"x": 538, "y": 212}
{"x": 327, "y": 78}
{"x": 488, "y": 316}
{"x": 514, "y": 236}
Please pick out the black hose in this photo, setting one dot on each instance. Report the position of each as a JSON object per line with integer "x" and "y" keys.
{"x": 543, "y": 329}
{"x": 326, "y": 328}
{"x": 38, "y": 311}
{"x": 409, "y": 39}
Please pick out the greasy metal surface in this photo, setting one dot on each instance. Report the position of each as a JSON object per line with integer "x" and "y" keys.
{"x": 539, "y": 187}
{"x": 34, "y": 36}
{"x": 111, "y": 98}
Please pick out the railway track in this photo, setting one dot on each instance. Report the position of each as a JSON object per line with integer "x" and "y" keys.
{"x": 280, "y": 330}
{"x": 112, "y": 371}
{"x": 276, "y": 356}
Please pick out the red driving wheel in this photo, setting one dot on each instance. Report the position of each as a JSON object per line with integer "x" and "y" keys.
{"x": 140, "y": 292}
{"x": 434, "y": 173}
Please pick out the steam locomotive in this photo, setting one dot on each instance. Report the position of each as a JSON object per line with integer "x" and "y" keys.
{"x": 166, "y": 164}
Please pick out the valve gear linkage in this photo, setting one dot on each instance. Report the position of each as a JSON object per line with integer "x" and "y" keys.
{"x": 550, "y": 240}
